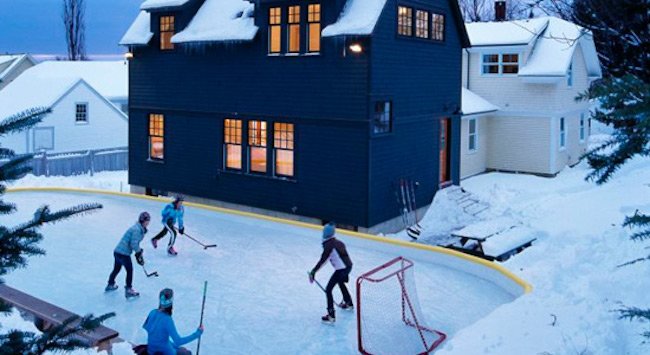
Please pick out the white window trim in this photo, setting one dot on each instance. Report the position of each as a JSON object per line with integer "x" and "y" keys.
{"x": 499, "y": 63}
{"x": 563, "y": 133}
{"x": 469, "y": 135}
{"x": 51, "y": 129}
{"x": 87, "y": 113}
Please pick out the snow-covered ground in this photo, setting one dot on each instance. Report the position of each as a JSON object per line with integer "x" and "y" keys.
{"x": 259, "y": 299}
{"x": 105, "y": 180}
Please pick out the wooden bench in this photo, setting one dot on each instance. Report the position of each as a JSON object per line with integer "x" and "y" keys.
{"x": 45, "y": 315}
{"x": 493, "y": 240}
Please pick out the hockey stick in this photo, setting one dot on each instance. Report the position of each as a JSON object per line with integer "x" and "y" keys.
{"x": 413, "y": 203}
{"x": 205, "y": 246}
{"x": 412, "y": 232}
{"x": 205, "y": 291}
{"x": 401, "y": 210}
{"x": 154, "y": 273}
{"x": 321, "y": 287}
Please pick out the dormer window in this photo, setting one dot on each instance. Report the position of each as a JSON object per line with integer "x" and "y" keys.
{"x": 495, "y": 64}
{"x": 313, "y": 29}
{"x": 294, "y": 29}
{"x": 166, "y": 32}
{"x": 405, "y": 21}
{"x": 275, "y": 30}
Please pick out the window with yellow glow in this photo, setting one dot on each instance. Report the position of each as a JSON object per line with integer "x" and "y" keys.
{"x": 166, "y": 32}
{"x": 283, "y": 144}
{"x": 156, "y": 136}
{"x": 275, "y": 30}
{"x": 438, "y": 27}
{"x": 405, "y": 21}
{"x": 257, "y": 145}
{"x": 294, "y": 29}
{"x": 313, "y": 29}
{"x": 232, "y": 139}
{"x": 422, "y": 24}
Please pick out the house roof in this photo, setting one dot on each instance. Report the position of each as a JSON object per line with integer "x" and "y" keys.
{"x": 156, "y": 4}
{"x": 220, "y": 20}
{"x": 9, "y": 62}
{"x": 359, "y": 17}
{"x": 472, "y": 104}
{"x": 552, "y": 41}
{"x": 44, "y": 84}
{"x": 139, "y": 33}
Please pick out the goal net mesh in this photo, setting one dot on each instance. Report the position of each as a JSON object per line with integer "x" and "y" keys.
{"x": 389, "y": 317}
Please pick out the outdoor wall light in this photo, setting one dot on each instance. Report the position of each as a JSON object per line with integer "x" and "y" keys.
{"x": 356, "y": 48}
{"x": 128, "y": 55}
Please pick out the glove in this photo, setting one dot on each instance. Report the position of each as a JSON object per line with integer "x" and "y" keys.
{"x": 139, "y": 258}
{"x": 311, "y": 276}
{"x": 181, "y": 230}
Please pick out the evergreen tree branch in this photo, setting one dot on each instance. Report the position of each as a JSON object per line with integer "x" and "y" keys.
{"x": 23, "y": 120}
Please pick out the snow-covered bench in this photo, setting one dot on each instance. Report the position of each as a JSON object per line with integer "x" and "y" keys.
{"x": 496, "y": 239}
{"x": 46, "y": 315}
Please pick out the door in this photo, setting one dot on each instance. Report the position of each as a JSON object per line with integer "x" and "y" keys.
{"x": 445, "y": 152}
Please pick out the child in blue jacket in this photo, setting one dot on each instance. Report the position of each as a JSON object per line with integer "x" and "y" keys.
{"x": 163, "y": 337}
{"x": 170, "y": 214}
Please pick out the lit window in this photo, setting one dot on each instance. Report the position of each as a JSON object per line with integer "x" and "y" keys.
{"x": 257, "y": 146}
{"x": 156, "y": 136}
{"x": 405, "y": 21}
{"x": 582, "y": 127}
{"x": 562, "y": 133}
{"x": 166, "y": 32}
{"x": 283, "y": 144}
{"x": 438, "y": 27}
{"x": 313, "y": 36}
{"x": 422, "y": 24}
{"x": 500, "y": 63}
{"x": 232, "y": 143}
{"x": 473, "y": 135}
{"x": 81, "y": 113}
{"x": 294, "y": 29}
{"x": 275, "y": 30}
{"x": 382, "y": 118}
{"x": 569, "y": 78}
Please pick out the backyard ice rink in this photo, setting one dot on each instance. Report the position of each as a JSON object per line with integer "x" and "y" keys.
{"x": 259, "y": 298}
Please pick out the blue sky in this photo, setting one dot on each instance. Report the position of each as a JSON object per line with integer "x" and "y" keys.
{"x": 36, "y": 27}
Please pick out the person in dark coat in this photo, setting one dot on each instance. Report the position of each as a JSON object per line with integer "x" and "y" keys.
{"x": 334, "y": 250}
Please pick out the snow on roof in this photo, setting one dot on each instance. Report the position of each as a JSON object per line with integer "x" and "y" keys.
{"x": 473, "y": 104}
{"x": 220, "y": 20}
{"x": 520, "y": 32}
{"x": 8, "y": 62}
{"x": 359, "y": 17}
{"x": 554, "y": 50}
{"x": 45, "y": 83}
{"x": 140, "y": 31}
{"x": 155, "y": 4}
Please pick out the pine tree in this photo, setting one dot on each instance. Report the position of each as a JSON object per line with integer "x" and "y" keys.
{"x": 621, "y": 33}
{"x": 19, "y": 242}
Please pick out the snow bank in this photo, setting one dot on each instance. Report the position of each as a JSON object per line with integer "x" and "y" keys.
{"x": 220, "y": 20}
{"x": 154, "y": 4}
{"x": 139, "y": 33}
{"x": 473, "y": 104}
{"x": 359, "y": 17}
{"x": 105, "y": 180}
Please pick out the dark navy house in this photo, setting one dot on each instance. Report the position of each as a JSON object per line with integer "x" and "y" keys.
{"x": 307, "y": 109}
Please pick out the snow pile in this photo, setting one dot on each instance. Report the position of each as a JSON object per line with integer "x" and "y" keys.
{"x": 359, "y": 17}
{"x": 155, "y": 4}
{"x": 220, "y": 20}
{"x": 139, "y": 33}
{"x": 520, "y": 32}
{"x": 473, "y": 104}
{"x": 572, "y": 265}
{"x": 553, "y": 50}
{"x": 105, "y": 180}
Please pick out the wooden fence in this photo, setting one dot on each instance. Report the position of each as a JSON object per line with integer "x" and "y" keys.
{"x": 80, "y": 162}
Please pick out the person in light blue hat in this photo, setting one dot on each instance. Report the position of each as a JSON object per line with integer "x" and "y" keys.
{"x": 335, "y": 251}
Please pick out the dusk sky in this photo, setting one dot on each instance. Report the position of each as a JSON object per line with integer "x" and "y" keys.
{"x": 36, "y": 27}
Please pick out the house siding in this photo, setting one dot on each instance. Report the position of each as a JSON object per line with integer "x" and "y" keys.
{"x": 474, "y": 162}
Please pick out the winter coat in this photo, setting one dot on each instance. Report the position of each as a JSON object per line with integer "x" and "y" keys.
{"x": 130, "y": 242}
{"x": 160, "y": 328}
{"x": 169, "y": 212}
{"x": 334, "y": 250}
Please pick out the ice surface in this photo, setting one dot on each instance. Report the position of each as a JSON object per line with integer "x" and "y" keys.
{"x": 259, "y": 299}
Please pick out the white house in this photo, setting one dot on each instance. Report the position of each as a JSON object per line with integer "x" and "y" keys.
{"x": 11, "y": 66}
{"x": 83, "y": 97}
{"x": 521, "y": 79}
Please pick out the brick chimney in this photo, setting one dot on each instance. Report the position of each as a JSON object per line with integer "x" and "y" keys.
{"x": 499, "y": 10}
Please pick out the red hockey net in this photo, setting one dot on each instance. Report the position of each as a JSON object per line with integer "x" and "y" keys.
{"x": 389, "y": 317}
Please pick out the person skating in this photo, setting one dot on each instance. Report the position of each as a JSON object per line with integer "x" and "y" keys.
{"x": 170, "y": 214}
{"x": 335, "y": 251}
{"x": 162, "y": 336}
{"x": 129, "y": 243}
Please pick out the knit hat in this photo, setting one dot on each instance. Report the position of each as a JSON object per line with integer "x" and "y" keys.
{"x": 178, "y": 198}
{"x": 328, "y": 231}
{"x": 166, "y": 298}
{"x": 144, "y": 216}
